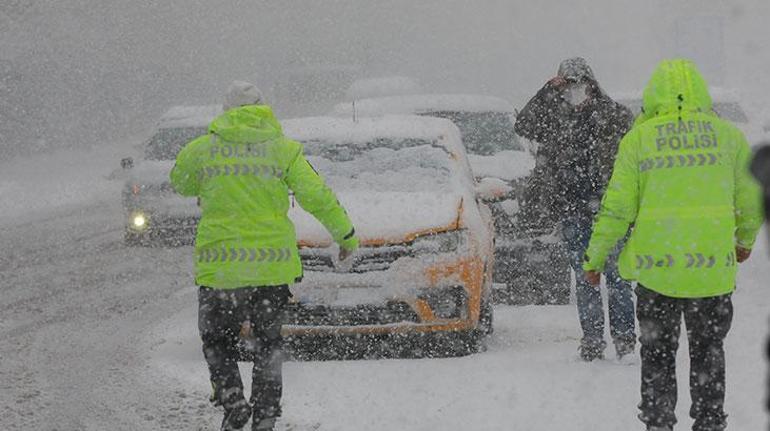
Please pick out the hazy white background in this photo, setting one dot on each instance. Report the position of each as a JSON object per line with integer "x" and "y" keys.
{"x": 77, "y": 72}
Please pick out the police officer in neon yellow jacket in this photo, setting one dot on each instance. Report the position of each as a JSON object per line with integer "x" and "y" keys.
{"x": 681, "y": 181}
{"x": 246, "y": 248}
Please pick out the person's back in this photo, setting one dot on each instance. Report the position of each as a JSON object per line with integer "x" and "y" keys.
{"x": 693, "y": 188}
{"x": 681, "y": 179}
{"x": 245, "y": 169}
{"x": 246, "y": 249}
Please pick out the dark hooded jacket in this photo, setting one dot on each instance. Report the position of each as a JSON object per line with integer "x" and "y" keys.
{"x": 576, "y": 146}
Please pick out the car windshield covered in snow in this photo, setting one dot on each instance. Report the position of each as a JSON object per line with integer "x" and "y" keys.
{"x": 484, "y": 133}
{"x": 167, "y": 142}
{"x": 382, "y": 165}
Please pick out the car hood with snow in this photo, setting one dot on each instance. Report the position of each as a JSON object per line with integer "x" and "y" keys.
{"x": 385, "y": 218}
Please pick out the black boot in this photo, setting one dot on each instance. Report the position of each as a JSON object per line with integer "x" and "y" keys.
{"x": 267, "y": 424}
{"x": 236, "y": 417}
{"x": 237, "y": 410}
{"x": 591, "y": 350}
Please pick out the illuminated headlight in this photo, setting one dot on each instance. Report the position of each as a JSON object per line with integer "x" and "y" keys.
{"x": 444, "y": 242}
{"x": 138, "y": 221}
{"x": 447, "y": 302}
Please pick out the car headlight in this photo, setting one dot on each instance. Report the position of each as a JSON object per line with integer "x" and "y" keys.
{"x": 444, "y": 242}
{"x": 138, "y": 221}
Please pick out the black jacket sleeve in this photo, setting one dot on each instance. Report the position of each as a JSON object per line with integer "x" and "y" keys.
{"x": 538, "y": 120}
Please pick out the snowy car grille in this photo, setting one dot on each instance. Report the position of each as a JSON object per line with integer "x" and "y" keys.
{"x": 164, "y": 188}
{"x": 359, "y": 315}
{"x": 368, "y": 259}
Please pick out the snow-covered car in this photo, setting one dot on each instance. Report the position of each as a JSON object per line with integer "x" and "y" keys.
{"x": 532, "y": 265}
{"x": 426, "y": 258}
{"x": 155, "y": 214}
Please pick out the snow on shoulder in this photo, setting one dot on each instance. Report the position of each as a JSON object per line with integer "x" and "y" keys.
{"x": 423, "y": 104}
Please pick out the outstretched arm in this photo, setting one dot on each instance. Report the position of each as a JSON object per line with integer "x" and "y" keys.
{"x": 184, "y": 175}
{"x": 536, "y": 121}
{"x": 315, "y": 197}
{"x": 748, "y": 202}
{"x": 620, "y": 206}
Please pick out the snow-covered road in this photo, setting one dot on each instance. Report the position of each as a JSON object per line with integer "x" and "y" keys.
{"x": 529, "y": 379}
{"x": 97, "y": 336}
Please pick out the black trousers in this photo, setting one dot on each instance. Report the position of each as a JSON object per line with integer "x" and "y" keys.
{"x": 221, "y": 317}
{"x": 707, "y": 321}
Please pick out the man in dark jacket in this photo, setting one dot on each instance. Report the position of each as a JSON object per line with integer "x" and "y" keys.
{"x": 577, "y": 128}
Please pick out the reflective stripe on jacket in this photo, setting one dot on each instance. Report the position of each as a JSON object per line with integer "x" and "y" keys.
{"x": 242, "y": 171}
{"x": 681, "y": 179}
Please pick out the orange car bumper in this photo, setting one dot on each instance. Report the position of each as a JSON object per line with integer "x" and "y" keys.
{"x": 466, "y": 272}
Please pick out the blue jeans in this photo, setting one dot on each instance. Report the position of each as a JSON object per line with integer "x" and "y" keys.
{"x": 577, "y": 233}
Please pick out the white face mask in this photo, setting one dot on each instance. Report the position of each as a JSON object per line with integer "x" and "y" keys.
{"x": 577, "y": 94}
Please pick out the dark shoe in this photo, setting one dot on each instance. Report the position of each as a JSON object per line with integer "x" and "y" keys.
{"x": 267, "y": 424}
{"x": 662, "y": 428}
{"x": 236, "y": 416}
{"x": 718, "y": 427}
{"x": 591, "y": 351}
{"x": 625, "y": 345}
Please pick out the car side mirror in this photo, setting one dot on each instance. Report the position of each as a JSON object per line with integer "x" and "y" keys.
{"x": 492, "y": 190}
{"x": 127, "y": 163}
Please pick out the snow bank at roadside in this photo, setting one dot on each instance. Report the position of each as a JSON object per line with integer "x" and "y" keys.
{"x": 32, "y": 187}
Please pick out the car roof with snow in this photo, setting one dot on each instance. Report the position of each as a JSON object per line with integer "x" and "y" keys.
{"x": 424, "y": 103}
{"x": 345, "y": 131}
{"x": 189, "y": 116}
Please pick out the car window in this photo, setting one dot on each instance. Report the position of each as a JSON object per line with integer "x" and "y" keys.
{"x": 484, "y": 133}
{"x": 167, "y": 143}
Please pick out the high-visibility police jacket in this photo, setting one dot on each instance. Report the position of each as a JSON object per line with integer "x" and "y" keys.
{"x": 681, "y": 180}
{"x": 242, "y": 172}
